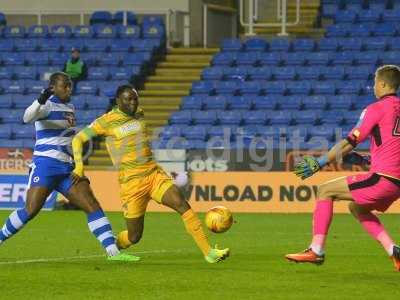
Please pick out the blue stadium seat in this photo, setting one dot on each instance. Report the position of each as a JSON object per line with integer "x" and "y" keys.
{"x": 114, "y": 59}
{"x": 79, "y": 102}
{"x": 197, "y": 132}
{"x": 105, "y": 32}
{"x": 23, "y": 45}
{"x": 350, "y": 44}
{"x": 13, "y": 87}
{"x": 123, "y": 73}
{"x": 250, "y": 87}
{"x": 208, "y": 117}
{"x": 340, "y": 102}
{"x": 280, "y": 117}
{"x": 270, "y": 59}
{"x": 5, "y": 131}
{"x": 203, "y": 87}
{"x": 296, "y": 133}
{"x": 35, "y": 86}
{"x": 230, "y": 117}
{"x": 247, "y": 59}
{"x": 48, "y": 45}
{"x": 37, "y": 58}
{"x": 345, "y": 16}
{"x": 390, "y": 57}
{"x": 314, "y": 102}
{"x": 153, "y": 19}
{"x": 69, "y": 44}
{"x": 291, "y": 103}
{"x": 6, "y": 45}
{"x": 265, "y": 102}
{"x": 14, "y": 32}
{"x": 231, "y": 45}
{"x": 319, "y": 58}
{"x": 192, "y": 103}
{"x": 44, "y": 72}
{"x": 332, "y": 117}
{"x": 328, "y": 44}
{"x": 337, "y": 30}
{"x": 226, "y": 87}
{"x": 385, "y": 29}
{"x": 6, "y": 73}
{"x": 238, "y": 73}
{"x": 97, "y": 102}
{"x": 306, "y": 117}
{"x": 153, "y": 31}
{"x": 247, "y": 131}
{"x": 256, "y": 44}
{"x": 13, "y": 116}
{"x": 212, "y": 73}
{"x": 323, "y": 88}
{"x": 322, "y": 131}
{"x": 299, "y": 87}
{"x": 375, "y": 44}
{"x": 280, "y": 44}
{"x": 86, "y": 87}
{"x": 391, "y": 15}
{"x": 38, "y": 31}
{"x": 283, "y": 73}
{"x": 61, "y": 31}
{"x": 361, "y": 30}
{"x": 6, "y": 101}
{"x": 98, "y": 73}
{"x": 270, "y": 131}
{"x": 12, "y": 59}
{"x": 367, "y": 58}
{"x": 360, "y": 72}
{"x": 101, "y": 17}
{"x": 371, "y": 16}
{"x": 118, "y": 18}
{"x": 381, "y": 7}
{"x": 258, "y": 117}
{"x": 172, "y": 131}
{"x": 343, "y": 58}
{"x": 352, "y": 117}
{"x": 148, "y": 45}
{"x": 308, "y": 73}
{"x": 260, "y": 73}
{"x": 109, "y": 88}
{"x": 296, "y": 58}
{"x": 334, "y": 72}
{"x": 128, "y": 32}
{"x": 224, "y": 59}
{"x": 181, "y": 117}
{"x": 23, "y": 131}
{"x": 83, "y": 31}
{"x": 393, "y": 44}
{"x": 96, "y": 45}
{"x": 57, "y": 58}
{"x": 350, "y": 87}
{"x": 240, "y": 102}
{"x": 214, "y": 102}
{"x": 303, "y": 45}
{"x": 275, "y": 88}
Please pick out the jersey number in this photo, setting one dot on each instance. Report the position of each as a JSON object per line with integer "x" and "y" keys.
{"x": 396, "y": 128}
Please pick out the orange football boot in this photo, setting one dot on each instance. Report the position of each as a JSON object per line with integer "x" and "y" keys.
{"x": 396, "y": 257}
{"x": 307, "y": 256}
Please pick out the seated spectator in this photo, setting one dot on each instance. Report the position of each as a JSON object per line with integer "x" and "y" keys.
{"x": 75, "y": 67}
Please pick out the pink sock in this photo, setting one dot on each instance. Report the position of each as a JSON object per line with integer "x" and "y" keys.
{"x": 374, "y": 227}
{"x": 321, "y": 221}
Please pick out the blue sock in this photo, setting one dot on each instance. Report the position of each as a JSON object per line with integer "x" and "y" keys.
{"x": 101, "y": 228}
{"x": 16, "y": 220}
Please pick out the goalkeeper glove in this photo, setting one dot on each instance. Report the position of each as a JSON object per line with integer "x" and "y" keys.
{"x": 45, "y": 95}
{"x": 354, "y": 158}
{"x": 309, "y": 166}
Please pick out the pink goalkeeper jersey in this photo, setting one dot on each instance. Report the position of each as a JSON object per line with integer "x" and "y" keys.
{"x": 381, "y": 121}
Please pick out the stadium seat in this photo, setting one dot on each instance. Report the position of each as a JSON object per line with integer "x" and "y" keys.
{"x": 240, "y": 103}
{"x": 61, "y": 31}
{"x": 314, "y": 102}
{"x": 343, "y": 58}
{"x": 306, "y": 117}
{"x": 350, "y": 87}
{"x": 192, "y": 103}
{"x": 11, "y": 143}
{"x": 265, "y": 102}
{"x": 204, "y": 117}
{"x": 332, "y": 117}
{"x": 97, "y": 102}
{"x": 270, "y": 59}
{"x": 256, "y": 44}
{"x": 38, "y": 31}
{"x": 6, "y": 45}
{"x": 394, "y": 44}
{"x": 238, "y": 73}
{"x": 367, "y": 58}
{"x": 83, "y": 31}
{"x": 337, "y": 30}
{"x": 212, "y": 73}
{"x": 328, "y": 44}
{"x": 5, "y": 131}
{"x": 86, "y": 87}
{"x": 128, "y": 32}
{"x": 37, "y": 58}
{"x": 369, "y": 15}
{"x": 98, "y": 73}
{"x": 322, "y": 131}
{"x": 352, "y": 117}
{"x": 389, "y": 57}
{"x": 114, "y": 59}
{"x": 324, "y": 88}
{"x": 284, "y": 73}
{"x": 101, "y": 17}
{"x": 148, "y": 45}
{"x": 224, "y": 59}
{"x": 23, "y": 131}
{"x": 375, "y": 44}
{"x": 280, "y": 117}
{"x": 214, "y": 102}
{"x": 23, "y": 45}
{"x": 247, "y": 59}
{"x": 258, "y": 117}
{"x": 350, "y": 44}
{"x": 303, "y": 45}
{"x": 279, "y": 44}
{"x": 153, "y": 20}
{"x": 12, "y": 59}
{"x": 118, "y": 18}
{"x": 172, "y": 131}
{"x": 6, "y": 101}
{"x": 96, "y": 45}
{"x": 361, "y": 30}
{"x": 35, "y": 86}
{"x": 229, "y": 117}
{"x": 319, "y": 58}
{"x": 275, "y": 88}
{"x": 25, "y": 72}
{"x": 260, "y": 73}
{"x": 13, "y": 116}
{"x": 340, "y": 102}
{"x": 332, "y": 73}
{"x": 299, "y": 87}
{"x": 153, "y": 31}
{"x": 250, "y": 87}
{"x": 181, "y": 117}
{"x": 385, "y": 29}
{"x": 49, "y": 45}
{"x": 231, "y": 45}
{"x": 345, "y": 16}
{"x": 308, "y": 73}
{"x": 57, "y": 58}
{"x": 203, "y": 87}
{"x": 295, "y": 58}
{"x": 124, "y": 73}
{"x": 226, "y": 87}
{"x": 360, "y": 72}
{"x": 14, "y": 32}
{"x": 391, "y": 15}
{"x": 13, "y": 87}
{"x": 291, "y": 103}
{"x": 104, "y": 31}
{"x": 6, "y": 73}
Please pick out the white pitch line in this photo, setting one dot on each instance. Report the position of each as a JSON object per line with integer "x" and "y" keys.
{"x": 58, "y": 259}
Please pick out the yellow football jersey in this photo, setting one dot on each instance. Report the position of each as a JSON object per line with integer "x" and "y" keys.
{"x": 127, "y": 141}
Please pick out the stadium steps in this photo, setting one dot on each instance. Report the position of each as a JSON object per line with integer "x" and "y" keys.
{"x": 162, "y": 91}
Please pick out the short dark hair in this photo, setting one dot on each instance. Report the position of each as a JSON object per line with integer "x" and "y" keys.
{"x": 390, "y": 74}
{"x": 123, "y": 88}
{"x": 58, "y": 76}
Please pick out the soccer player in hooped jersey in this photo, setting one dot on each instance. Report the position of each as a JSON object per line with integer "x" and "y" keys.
{"x": 140, "y": 177}
{"x": 375, "y": 190}
{"x": 52, "y": 165}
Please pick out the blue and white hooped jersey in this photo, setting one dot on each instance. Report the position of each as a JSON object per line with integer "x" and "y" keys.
{"x": 55, "y": 130}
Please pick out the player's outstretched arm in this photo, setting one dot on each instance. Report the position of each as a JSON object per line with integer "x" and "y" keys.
{"x": 38, "y": 109}
{"x": 311, "y": 165}
{"x": 77, "y": 145}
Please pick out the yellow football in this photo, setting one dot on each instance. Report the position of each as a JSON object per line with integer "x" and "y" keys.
{"x": 218, "y": 219}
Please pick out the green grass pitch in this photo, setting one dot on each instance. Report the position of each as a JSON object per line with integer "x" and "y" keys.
{"x": 55, "y": 257}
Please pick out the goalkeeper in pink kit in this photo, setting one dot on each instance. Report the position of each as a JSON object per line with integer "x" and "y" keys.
{"x": 375, "y": 190}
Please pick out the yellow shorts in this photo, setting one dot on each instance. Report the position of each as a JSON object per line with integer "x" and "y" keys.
{"x": 137, "y": 192}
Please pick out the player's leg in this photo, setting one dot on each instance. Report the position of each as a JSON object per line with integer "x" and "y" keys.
{"x": 330, "y": 191}
{"x": 133, "y": 234}
{"x": 171, "y": 196}
{"x": 39, "y": 189}
{"x": 81, "y": 195}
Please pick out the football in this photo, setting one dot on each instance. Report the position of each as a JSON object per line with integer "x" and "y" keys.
{"x": 218, "y": 219}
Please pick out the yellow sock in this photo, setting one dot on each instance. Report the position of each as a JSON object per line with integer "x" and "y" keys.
{"x": 194, "y": 228}
{"x": 123, "y": 241}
